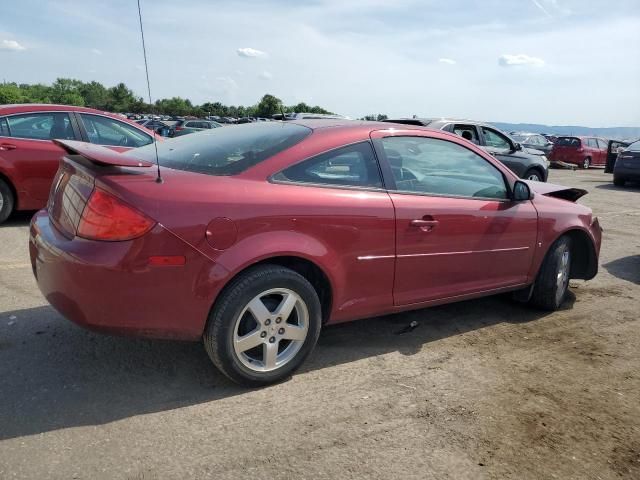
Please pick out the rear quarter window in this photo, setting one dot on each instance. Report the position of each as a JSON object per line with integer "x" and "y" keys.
{"x": 225, "y": 151}
{"x": 568, "y": 142}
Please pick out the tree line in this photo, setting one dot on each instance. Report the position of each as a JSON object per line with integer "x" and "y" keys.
{"x": 122, "y": 99}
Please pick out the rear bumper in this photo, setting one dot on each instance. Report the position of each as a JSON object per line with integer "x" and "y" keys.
{"x": 110, "y": 287}
{"x": 626, "y": 173}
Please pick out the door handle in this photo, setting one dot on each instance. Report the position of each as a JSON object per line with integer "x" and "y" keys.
{"x": 7, "y": 146}
{"x": 424, "y": 225}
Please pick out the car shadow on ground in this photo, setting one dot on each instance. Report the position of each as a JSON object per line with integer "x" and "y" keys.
{"x": 18, "y": 219}
{"x": 626, "y": 268}
{"x": 628, "y": 186}
{"x": 56, "y": 375}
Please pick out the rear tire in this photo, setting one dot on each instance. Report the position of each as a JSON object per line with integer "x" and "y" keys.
{"x": 552, "y": 281}
{"x": 618, "y": 181}
{"x": 6, "y": 201}
{"x": 586, "y": 163}
{"x": 263, "y": 325}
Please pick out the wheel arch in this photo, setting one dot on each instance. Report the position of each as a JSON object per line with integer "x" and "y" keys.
{"x": 300, "y": 264}
{"x": 12, "y": 187}
{"x": 584, "y": 261}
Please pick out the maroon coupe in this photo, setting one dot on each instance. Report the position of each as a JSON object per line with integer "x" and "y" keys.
{"x": 257, "y": 235}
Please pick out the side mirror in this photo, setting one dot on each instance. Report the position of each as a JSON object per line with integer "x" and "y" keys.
{"x": 521, "y": 191}
{"x": 517, "y": 147}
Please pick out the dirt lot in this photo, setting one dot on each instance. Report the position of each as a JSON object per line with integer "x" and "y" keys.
{"x": 481, "y": 389}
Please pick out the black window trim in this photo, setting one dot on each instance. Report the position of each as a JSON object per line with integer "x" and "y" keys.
{"x": 389, "y": 180}
{"x": 272, "y": 179}
{"x": 72, "y": 119}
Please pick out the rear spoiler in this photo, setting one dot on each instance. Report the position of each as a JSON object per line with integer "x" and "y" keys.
{"x": 101, "y": 155}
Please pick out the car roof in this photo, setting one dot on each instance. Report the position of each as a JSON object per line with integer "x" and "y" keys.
{"x": 38, "y": 107}
{"x": 346, "y": 124}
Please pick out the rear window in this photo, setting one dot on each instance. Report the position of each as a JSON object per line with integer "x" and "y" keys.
{"x": 225, "y": 151}
{"x": 568, "y": 142}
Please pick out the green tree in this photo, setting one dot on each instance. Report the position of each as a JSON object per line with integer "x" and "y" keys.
{"x": 66, "y": 91}
{"x": 11, "y": 93}
{"x": 268, "y": 106}
{"x": 120, "y": 98}
{"x": 95, "y": 95}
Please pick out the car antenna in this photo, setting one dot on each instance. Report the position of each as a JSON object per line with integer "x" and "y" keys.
{"x": 146, "y": 68}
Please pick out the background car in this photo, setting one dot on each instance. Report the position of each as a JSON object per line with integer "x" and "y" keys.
{"x": 526, "y": 163}
{"x": 184, "y": 127}
{"x": 534, "y": 141}
{"x": 614, "y": 147}
{"x": 262, "y": 233}
{"x": 581, "y": 151}
{"x": 627, "y": 166}
{"x": 28, "y": 157}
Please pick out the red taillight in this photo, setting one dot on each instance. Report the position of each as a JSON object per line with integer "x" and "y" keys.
{"x": 178, "y": 129}
{"x": 107, "y": 218}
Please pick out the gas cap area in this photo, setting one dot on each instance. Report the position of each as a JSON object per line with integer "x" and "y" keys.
{"x": 221, "y": 233}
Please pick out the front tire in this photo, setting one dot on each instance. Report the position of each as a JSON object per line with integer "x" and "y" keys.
{"x": 552, "y": 281}
{"x": 6, "y": 201}
{"x": 618, "y": 181}
{"x": 263, "y": 326}
{"x": 533, "y": 174}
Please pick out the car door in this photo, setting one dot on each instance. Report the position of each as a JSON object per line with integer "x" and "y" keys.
{"x": 112, "y": 133}
{"x": 29, "y": 155}
{"x": 602, "y": 150}
{"x": 457, "y": 230}
{"x": 498, "y": 145}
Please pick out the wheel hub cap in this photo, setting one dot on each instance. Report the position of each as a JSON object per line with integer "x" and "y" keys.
{"x": 270, "y": 330}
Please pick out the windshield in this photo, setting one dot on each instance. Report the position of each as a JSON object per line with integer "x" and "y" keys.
{"x": 519, "y": 138}
{"x": 568, "y": 142}
{"x": 634, "y": 147}
{"x": 225, "y": 151}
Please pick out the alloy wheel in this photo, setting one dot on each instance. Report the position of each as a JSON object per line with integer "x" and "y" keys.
{"x": 562, "y": 276}
{"x": 270, "y": 330}
{"x": 534, "y": 177}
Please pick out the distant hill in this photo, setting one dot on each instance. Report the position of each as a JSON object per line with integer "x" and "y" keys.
{"x": 616, "y": 133}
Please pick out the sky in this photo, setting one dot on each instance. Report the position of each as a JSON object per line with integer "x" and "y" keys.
{"x": 556, "y": 62}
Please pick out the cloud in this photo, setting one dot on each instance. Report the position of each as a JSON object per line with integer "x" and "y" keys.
{"x": 448, "y": 61}
{"x": 250, "y": 52}
{"x": 541, "y": 8}
{"x": 96, "y": 51}
{"x": 266, "y": 75}
{"x": 11, "y": 45}
{"x": 228, "y": 83}
{"x": 520, "y": 59}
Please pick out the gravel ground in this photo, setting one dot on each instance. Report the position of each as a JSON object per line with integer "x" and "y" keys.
{"x": 481, "y": 389}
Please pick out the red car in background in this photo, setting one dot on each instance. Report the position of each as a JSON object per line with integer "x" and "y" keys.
{"x": 581, "y": 151}
{"x": 29, "y": 158}
{"x": 260, "y": 234}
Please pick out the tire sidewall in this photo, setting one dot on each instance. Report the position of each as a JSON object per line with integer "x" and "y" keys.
{"x": 224, "y": 320}
{"x": 8, "y": 200}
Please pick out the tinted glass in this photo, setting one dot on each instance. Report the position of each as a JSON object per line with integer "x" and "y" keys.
{"x": 634, "y": 147}
{"x": 495, "y": 140}
{"x": 601, "y": 143}
{"x": 568, "y": 142}
{"x": 108, "y": 131}
{"x": 439, "y": 167}
{"x": 225, "y": 151}
{"x": 354, "y": 165}
{"x": 40, "y": 126}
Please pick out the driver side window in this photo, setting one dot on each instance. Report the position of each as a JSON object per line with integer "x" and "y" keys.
{"x": 496, "y": 140}
{"x": 111, "y": 132}
{"x": 431, "y": 166}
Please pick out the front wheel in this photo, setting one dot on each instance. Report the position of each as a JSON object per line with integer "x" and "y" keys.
{"x": 6, "y": 201}
{"x": 552, "y": 281}
{"x": 263, "y": 326}
{"x": 586, "y": 163}
{"x": 533, "y": 174}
